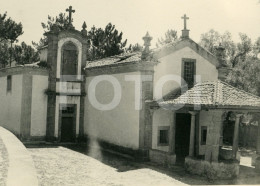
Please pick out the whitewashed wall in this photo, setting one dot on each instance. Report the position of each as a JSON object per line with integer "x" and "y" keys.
{"x": 161, "y": 117}
{"x": 120, "y": 125}
{"x": 172, "y": 64}
{"x": 10, "y": 108}
{"x": 39, "y": 105}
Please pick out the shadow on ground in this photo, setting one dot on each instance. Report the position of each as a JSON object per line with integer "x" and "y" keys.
{"x": 126, "y": 163}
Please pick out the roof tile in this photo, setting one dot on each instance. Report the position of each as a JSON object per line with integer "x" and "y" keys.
{"x": 216, "y": 93}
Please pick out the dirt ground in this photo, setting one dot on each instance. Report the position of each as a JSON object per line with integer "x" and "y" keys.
{"x": 73, "y": 165}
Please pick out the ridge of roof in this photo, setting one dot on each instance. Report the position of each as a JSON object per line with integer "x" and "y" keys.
{"x": 113, "y": 60}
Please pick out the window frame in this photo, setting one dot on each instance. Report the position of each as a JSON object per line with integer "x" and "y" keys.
{"x": 167, "y": 128}
{"x": 183, "y": 72}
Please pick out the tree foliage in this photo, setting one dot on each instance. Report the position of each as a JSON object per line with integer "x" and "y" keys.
{"x": 101, "y": 42}
{"x": 245, "y": 75}
{"x": 62, "y": 23}
{"x": 9, "y": 29}
{"x": 135, "y": 48}
{"x": 170, "y": 36}
{"x": 104, "y": 42}
{"x": 4, "y": 53}
{"x": 9, "y": 32}
{"x": 242, "y": 57}
{"x": 25, "y": 54}
{"x": 234, "y": 51}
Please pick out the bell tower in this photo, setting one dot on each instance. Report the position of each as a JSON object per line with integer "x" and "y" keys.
{"x": 66, "y": 59}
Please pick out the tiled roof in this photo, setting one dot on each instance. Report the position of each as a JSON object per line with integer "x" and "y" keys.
{"x": 114, "y": 60}
{"x": 155, "y": 54}
{"x": 215, "y": 93}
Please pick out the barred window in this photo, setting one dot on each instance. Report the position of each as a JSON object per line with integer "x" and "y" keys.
{"x": 163, "y": 136}
{"x": 189, "y": 71}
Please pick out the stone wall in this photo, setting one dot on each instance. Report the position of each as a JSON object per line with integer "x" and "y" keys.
{"x": 39, "y": 106}
{"x": 212, "y": 119}
{"x": 162, "y": 157}
{"x": 213, "y": 170}
{"x": 25, "y": 103}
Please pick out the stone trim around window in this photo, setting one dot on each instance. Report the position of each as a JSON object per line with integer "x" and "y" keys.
{"x": 163, "y": 140}
{"x": 203, "y": 133}
{"x": 182, "y": 70}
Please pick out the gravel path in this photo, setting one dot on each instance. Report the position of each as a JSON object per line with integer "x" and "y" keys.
{"x": 3, "y": 163}
{"x": 79, "y": 166}
{"x": 62, "y": 166}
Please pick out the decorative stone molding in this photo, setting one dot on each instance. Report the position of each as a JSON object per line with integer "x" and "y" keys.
{"x": 78, "y": 44}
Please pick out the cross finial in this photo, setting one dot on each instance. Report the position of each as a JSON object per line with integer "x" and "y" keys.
{"x": 185, "y": 18}
{"x": 70, "y": 10}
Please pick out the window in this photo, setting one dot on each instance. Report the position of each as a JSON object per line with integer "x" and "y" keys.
{"x": 188, "y": 71}
{"x": 203, "y": 135}
{"x": 163, "y": 136}
{"x": 9, "y": 83}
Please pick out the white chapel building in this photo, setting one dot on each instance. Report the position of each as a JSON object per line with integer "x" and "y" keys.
{"x": 163, "y": 105}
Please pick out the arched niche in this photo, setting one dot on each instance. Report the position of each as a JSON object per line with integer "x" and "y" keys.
{"x": 69, "y": 43}
{"x": 69, "y": 59}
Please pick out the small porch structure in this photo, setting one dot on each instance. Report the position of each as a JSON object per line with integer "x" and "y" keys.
{"x": 206, "y": 107}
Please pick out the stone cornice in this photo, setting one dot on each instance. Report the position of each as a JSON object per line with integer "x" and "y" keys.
{"x": 24, "y": 70}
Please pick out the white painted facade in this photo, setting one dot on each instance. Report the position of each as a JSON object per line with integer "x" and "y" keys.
{"x": 172, "y": 65}
{"x": 39, "y": 105}
{"x": 120, "y": 125}
{"x": 11, "y": 103}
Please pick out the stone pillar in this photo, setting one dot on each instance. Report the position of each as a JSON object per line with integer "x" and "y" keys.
{"x": 192, "y": 133}
{"x": 235, "y": 137}
{"x": 149, "y": 128}
{"x": 258, "y": 139}
{"x": 172, "y": 135}
{"x": 51, "y": 102}
{"x": 224, "y": 115}
{"x": 255, "y": 158}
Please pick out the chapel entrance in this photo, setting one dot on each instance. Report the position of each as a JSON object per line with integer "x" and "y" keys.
{"x": 182, "y": 136}
{"x": 67, "y": 123}
{"x": 69, "y": 59}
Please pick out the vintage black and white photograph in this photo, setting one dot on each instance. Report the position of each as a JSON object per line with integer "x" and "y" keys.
{"x": 129, "y": 92}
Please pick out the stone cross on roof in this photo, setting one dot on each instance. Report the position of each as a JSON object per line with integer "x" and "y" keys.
{"x": 185, "y": 18}
{"x": 70, "y": 10}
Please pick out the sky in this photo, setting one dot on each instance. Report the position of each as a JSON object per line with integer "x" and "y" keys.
{"x": 135, "y": 17}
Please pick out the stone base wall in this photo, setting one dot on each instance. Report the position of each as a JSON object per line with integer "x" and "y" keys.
{"x": 136, "y": 154}
{"x": 213, "y": 170}
{"x": 162, "y": 157}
